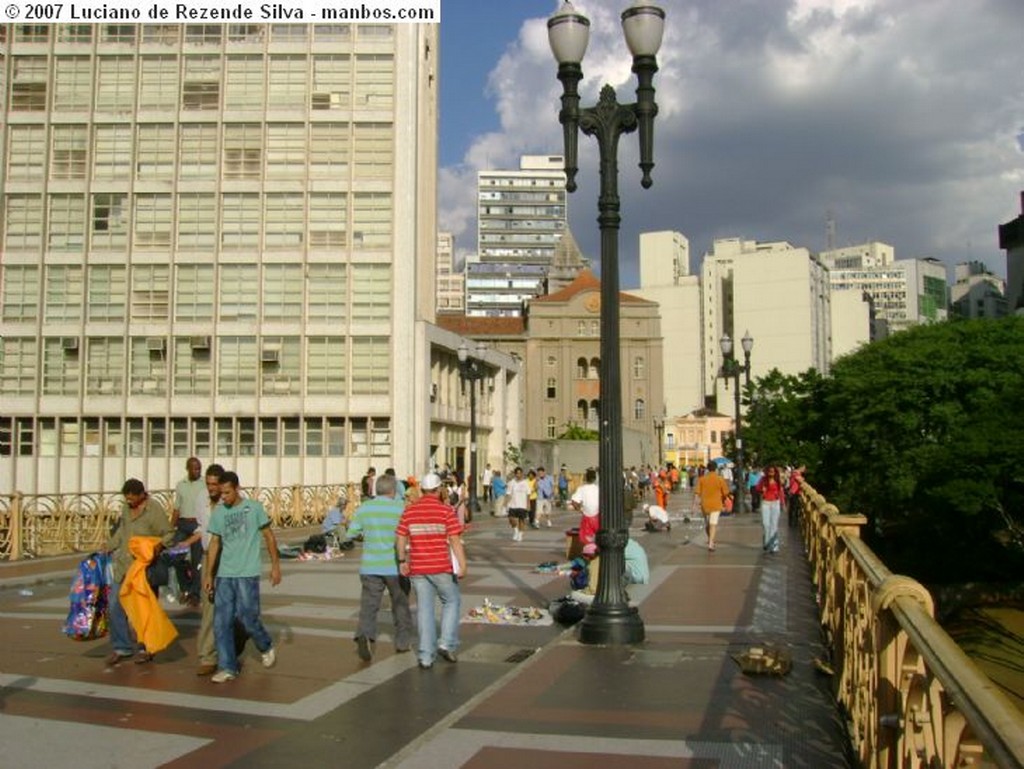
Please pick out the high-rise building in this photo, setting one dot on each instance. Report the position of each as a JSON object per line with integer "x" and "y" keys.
{"x": 216, "y": 240}
{"x": 1011, "y": 239}
{"x": 977, "y": 293}
{"x": 451, "y": 285}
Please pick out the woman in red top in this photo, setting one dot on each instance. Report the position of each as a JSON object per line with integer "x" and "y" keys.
{"x": 772, "y": 493}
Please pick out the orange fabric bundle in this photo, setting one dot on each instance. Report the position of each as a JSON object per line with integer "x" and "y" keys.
{"x": 151, "y": 623}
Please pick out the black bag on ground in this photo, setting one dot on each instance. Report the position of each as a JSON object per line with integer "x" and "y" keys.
{"x": 317, "y": 543}
{"x": 567, "y": 611}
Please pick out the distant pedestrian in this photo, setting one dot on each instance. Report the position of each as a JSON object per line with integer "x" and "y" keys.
{"x": 518, "y": 504}
{"x": 498, "y": 498}
{"x": 711, "y": 494}
{"x": 485, "y": 482}
{"x": 563, "y": 487}
{"x": 545, "y": 496}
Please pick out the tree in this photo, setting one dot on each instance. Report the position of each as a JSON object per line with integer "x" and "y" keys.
{"x": 920, "y": 432}
{"x": 577, "y": 432}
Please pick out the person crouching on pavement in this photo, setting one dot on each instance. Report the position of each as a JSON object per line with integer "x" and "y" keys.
{"x": 657, "y": 518}
{"x": 236, "y": 527}
{"x": 430, "y": 553}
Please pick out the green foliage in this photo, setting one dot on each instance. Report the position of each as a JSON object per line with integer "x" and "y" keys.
{"x": 922, "y": 433}
{"x": 513, "y": 456}
{"x": 576, "y": 432}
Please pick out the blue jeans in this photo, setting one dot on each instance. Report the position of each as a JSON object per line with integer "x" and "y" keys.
{"x": 121, "y": 636}
{"x": 237, "y": 597}
{"x": 428, "y": 587}
{"x": 770, "y": 512}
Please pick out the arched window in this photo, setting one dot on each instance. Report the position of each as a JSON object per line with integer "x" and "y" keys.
{"x": 639, "y": 409}
{"x": 551, "y": 427}
{"x": 552, "y": 389}
{"x": 595, "y": 369}
{"x": 582, "y": 412}
{"x": 552, "y": 362}
{"x": 638, "y": 367}
{"x": 581, "y": 368}
{"x": 594, "y": 422}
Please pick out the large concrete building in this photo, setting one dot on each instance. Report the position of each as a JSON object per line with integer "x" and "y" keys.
{"x": 1011, "y": 239}
{"x": 451, "y": 284}
{"x": 220, "y": 241}
{"x": 977, "y": 293}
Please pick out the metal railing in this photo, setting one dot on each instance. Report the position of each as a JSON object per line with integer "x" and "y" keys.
{"x": 34, "y": 525}
{"x": 912, "y": 698}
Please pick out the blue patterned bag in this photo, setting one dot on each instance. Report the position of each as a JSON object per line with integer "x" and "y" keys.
{"x": 90, "y": 595}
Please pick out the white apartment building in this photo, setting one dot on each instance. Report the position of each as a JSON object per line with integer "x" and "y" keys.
{"x": 1011, "y": 239}
{"x": 665, "y": 278}
{"x": 903, "y": 292}
{"x": 220, "y": 240}
{"x": 451, "y": 285}
{"x": 977, "y": 293}
{"x": 775, "y": 291}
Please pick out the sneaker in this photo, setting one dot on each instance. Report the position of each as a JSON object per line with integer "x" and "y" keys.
{"x": 223, "y": 676}
{"x": 447, "y": 654}
{"x": 269, "y": 657}
{"x": 363, "y": 649}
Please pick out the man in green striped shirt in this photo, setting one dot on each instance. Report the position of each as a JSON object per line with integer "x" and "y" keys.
{"x": 376, "y": 520}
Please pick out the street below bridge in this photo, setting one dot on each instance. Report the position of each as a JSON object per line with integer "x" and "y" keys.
{"x": 519, "y": 696}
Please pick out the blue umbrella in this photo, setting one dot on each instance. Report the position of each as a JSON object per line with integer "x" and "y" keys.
{"x": 720, "y": 461}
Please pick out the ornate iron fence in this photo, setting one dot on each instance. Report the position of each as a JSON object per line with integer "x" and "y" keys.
{"x": 910, "y": 695}
{"x": 54, "y": 524}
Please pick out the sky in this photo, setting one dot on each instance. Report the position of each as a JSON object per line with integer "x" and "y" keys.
{"x": 901, "y": 120}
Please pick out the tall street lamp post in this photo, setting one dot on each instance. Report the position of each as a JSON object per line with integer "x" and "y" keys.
{"x": 659, "y": 428}
{"x": 472, "y": 370}
{"x": 610, "y": 619}
{"x": 731, "y": 369}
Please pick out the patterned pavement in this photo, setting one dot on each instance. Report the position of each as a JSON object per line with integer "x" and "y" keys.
{"x": 518, "y": 697}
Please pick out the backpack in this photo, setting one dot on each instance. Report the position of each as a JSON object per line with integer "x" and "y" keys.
{"x": 90, "y": 596}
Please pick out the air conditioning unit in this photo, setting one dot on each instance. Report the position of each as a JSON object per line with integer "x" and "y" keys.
{"x": 199, "y": 343}
{"x": 156, "y": 344}
{"x": 270, "y": 356}
{"x": 69, "y": 343}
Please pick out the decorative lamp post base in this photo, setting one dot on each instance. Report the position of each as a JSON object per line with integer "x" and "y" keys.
{"x": 610, "y": 624}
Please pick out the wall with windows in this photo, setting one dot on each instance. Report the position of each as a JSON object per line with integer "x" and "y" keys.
{"x": 204, "y": 229}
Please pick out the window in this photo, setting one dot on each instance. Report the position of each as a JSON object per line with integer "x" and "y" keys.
{"x": 197, "y": 222}
{"x": 136, "y": 435}
{"x": 291, "y": 437}
{"x": 594, "y": 418}
{"x": 359, "y": 446}
{"x": 581, "y": 368}
{"x": 20, "y": 298}
{"x": 371, "y": 220}
{"x": 224, "y": 438}
{"x": 109, "y": 221}
{"x": 371, "y": 292}
{"x": 268, "y": 437}
{"x": 551, "y": 391}
{"x": 287, "y": 80}
{"x": 6, "y": 436}
{"x": 329, "y": 150}
{"x": 380, "y": 438}
{"x": 158, "y": 87}
{"x": 243, "y": 87}
{"x": 335, "y": 437}
{"x": 314, "y": 429}
{"x": 25, "y": 436}
{"x": 67, "y": 160}
{"x": 374, "y": 81}
{"x": 639, "y": 409}
{"x": 324, "y": 33}
{"x": 18, "y": 375}
{"x": 151, "y": 286}
{"x": 240, "y": 227}
{"x": 282, "y": 292}
{"x": 74, "y": 33}
{"x": 147, "y": 374}
{"x": 161, "y": 34}
{"x": 286, "y": 150}
{"x": 245, "y": 33}
{"x": 328, "y": 218}
{"x": 239, "y": 294}
{"x": 28, "y": 84}
{"x": 70, "y": 437}
{"x": 64, "y": 293}
{"x": 104, "y": 366}
{"x": 288, "y": 33}
{"x": 203, "y": 34}
{"x": 582, "y": 411}
{"x": 201, "y": 87}
{"x": 581, "y": 328}
{"x": 66, "y": 231}
{"x": 328, "y": 293}
{"x": 670, "y": 440}
{"x": 193, "y": 292}
{"x": 594, "y": 372}
{"x": 201, "y": 442}
{"x": 551, "y": 427}
{"x": 332, "y": 89}
{"x": 23, "y": 222}
{"x": 112, "y": 152}
{"x": 325, "y": 365}
{"x": 156, "y": 443}
{"x": 26, "y": 152}
{"x": 193, "y": 366}
{"x": 246, "y": 437}
{"x": 373, "y": 151}
{"x": 113, "y": 437}
{"x": 179, "y": 437}
{"x": 638, "y": 367}
{"x": 237, "y": 364}
{"x": 108, "y": 292}
{"x": 280, "y": 365}
{"x": 47, "y": 437}
{"x": 31, "y": 33}
{"x": 152, "y": 229}
{"x": 197, "y": 151}
{"x": 118, "y": 33}
{"x": 283, "y": 221}
{"x": 155, "y": 155}
{"x": 243, "y": 151}
{"x": 115, "y": 84}
{"x": 551, "y": 361}
{"x": 73, "y": 87}
{"x": 371, "y": 365}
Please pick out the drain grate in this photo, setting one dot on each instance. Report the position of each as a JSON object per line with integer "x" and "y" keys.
{"x": 520, "y": 656}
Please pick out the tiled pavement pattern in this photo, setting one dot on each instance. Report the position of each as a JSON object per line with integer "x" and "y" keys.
{"x": 518, "y": 697}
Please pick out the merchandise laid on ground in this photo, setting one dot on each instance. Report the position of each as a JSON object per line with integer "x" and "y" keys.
{"x": 729, "y": 674}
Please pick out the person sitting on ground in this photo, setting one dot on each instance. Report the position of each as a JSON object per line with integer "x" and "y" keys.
{"x": 657, "y": 518}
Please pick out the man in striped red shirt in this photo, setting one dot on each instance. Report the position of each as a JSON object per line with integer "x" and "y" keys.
{"x": 429, "y": 546}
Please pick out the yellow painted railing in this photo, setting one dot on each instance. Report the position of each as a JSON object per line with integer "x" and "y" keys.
{"x": 911, "y": 697}
{"x": 55, "y": 524}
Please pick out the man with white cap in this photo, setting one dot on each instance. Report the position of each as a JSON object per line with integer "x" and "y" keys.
{"x": 430, "y": 553}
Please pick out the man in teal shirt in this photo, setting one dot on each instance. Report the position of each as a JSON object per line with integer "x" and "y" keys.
{"x": 376, "y": 520}
{"x": 236, "y": 527}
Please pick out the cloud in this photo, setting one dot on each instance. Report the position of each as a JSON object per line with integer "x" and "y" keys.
{"x": 905, "y": 118}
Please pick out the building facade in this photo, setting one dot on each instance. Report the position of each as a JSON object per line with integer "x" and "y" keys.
{"x": 977, "y": 293}
{"x": 217, "y": 240}
{"x": 1011, "y": 240}
{"x": 451, "y": 284}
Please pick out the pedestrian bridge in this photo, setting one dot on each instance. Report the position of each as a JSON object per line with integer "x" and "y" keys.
{"x": 875, "y": 682}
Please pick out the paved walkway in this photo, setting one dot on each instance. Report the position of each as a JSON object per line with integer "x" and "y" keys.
{"x": 518, "y": 697}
